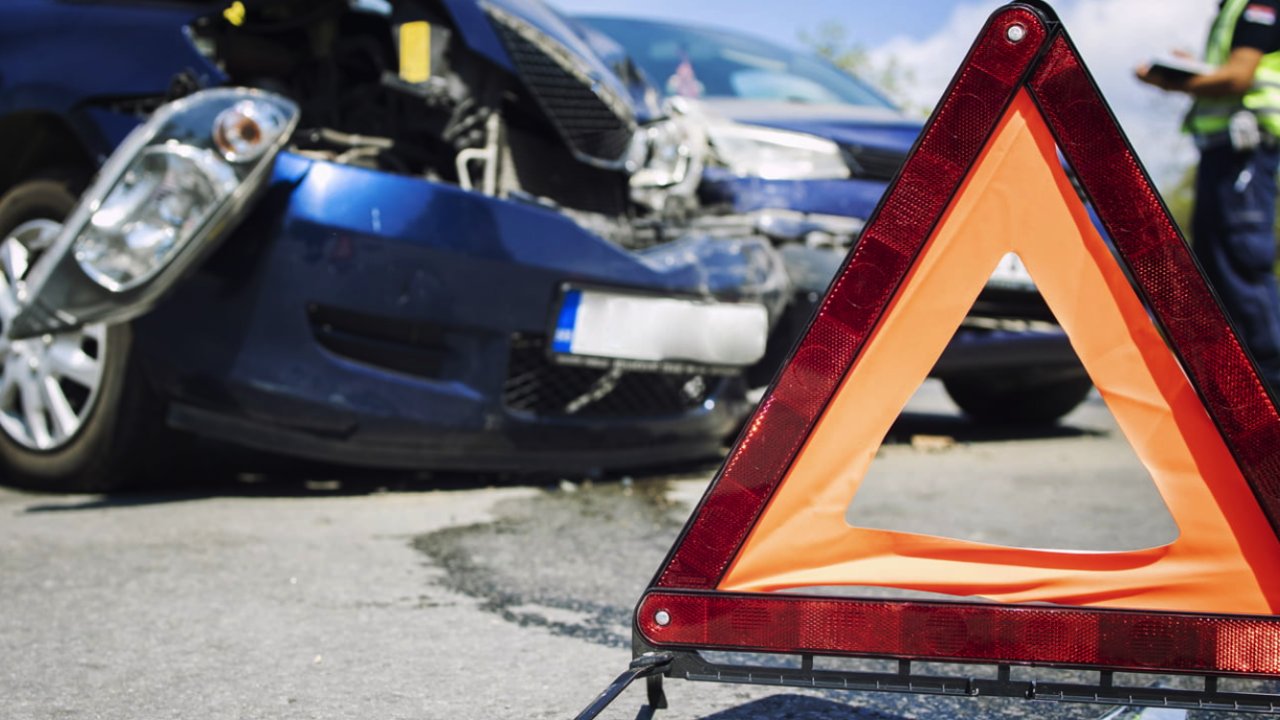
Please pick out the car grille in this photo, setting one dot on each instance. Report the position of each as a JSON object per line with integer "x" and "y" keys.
{"x": 582, "y": 116}
{"x": 873, "y": 163}
{"x": 537, "y": 385}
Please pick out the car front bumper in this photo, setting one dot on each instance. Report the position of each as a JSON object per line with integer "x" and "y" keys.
{"x": 381, "y": 320}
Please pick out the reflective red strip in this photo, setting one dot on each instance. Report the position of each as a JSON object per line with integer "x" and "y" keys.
{"x": 963, "y": 632}
{"x": 888, "y": 248}
{"x": 1162, "y": 268}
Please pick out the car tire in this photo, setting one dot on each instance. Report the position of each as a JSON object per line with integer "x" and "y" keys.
{"x": 1014, "y": 398}
{"x": 116, "y": 438}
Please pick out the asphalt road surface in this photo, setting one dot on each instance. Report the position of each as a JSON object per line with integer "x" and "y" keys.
{"x": 348, "y": 595}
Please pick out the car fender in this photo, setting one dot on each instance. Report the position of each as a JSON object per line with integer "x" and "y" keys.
{"x": 96, "y": 50}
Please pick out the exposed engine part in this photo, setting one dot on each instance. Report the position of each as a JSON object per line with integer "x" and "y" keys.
{"x": 488, "y": 158}
{"x": 346, "y": 148}
{"x": 466, "y": 126}
{"x": 352, "y": 140}
{"x": 434, "y": 92}
{"x": 385, "y": 84}
{"x": 341, "y": 60}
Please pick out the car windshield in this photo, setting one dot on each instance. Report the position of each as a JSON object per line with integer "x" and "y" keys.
{"x": 704, "y": 63}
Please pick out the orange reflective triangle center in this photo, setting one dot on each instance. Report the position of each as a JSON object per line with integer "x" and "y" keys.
{"x": 1019, "y": 199}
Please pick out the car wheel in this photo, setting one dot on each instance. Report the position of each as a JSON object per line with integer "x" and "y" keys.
{"x": 73, "y": 413}
{"x": 1017, "y": 398}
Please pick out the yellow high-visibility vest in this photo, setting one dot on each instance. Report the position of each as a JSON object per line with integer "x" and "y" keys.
{"x": 1211, "y": 116}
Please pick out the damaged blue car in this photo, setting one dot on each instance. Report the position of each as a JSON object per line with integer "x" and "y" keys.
{"x": 415, "y": 234}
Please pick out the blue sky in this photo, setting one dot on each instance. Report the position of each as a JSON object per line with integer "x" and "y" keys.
{"x": 869, "y": 22}
{"x": 927, "y": 40}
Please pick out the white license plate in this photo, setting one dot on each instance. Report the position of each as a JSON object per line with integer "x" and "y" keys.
{"x": 619, "y": 326}
{"x": 1011, "y": 273}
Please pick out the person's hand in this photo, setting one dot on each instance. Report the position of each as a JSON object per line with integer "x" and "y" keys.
{"x": 1160, "y": 80}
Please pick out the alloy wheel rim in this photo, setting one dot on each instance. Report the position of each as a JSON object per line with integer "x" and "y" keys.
{"x": 48, "y": 384}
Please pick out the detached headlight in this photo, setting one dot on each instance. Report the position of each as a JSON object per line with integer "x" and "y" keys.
{"x": 753, "y": 151}
{"x": 177, "y": 181}
{"x": 162, "y": 201}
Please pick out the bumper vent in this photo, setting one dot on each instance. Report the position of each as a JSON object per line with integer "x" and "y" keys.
{"x": 593, "y": 122}
{"x": 412, "y": 348}
{"x": 536, "y": 385}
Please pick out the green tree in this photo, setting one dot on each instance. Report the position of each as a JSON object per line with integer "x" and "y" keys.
{"x": 830, "y": 40}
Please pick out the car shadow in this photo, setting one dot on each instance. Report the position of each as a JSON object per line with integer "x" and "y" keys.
{"x": 214, "y": 471}
{"x": 299, "y": 483}
{"x": 211, "y": 470}
{"x": 807, "y": 707}
{"x": 910, "y": 425}
{"x": 799, "y": 706}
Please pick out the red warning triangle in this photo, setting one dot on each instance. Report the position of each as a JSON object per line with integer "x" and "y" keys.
{"x": 985, "y": 179}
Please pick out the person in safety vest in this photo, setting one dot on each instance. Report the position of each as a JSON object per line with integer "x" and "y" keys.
{"x": 1235, "y": 120}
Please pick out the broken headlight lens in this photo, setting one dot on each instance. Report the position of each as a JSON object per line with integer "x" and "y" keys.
{"x": 752, "y": 151}
{"x": 667, "y": 158}
{"x": 190, "y": 170}
{"x": 164, "y": 196}
{"x": 160, "y": 205}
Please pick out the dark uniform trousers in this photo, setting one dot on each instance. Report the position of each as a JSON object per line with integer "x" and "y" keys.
{"x": 1235, "y": 243}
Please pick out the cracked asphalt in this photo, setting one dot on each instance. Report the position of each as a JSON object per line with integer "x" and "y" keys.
{"x": 317, "y": 593}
